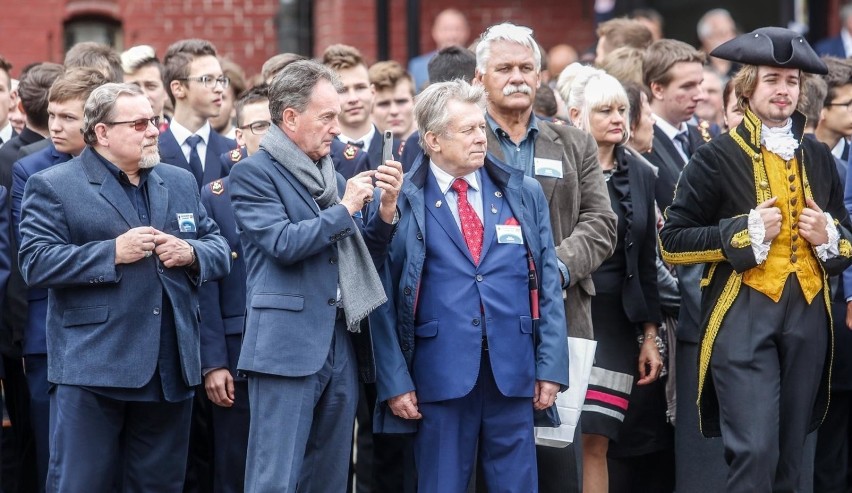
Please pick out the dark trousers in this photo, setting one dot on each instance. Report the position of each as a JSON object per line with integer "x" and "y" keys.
{"x": 767, "y": 366}
{"x": 19, "y": 460}
{"x": 500, "y": 428}
{"x": 36, "y": 369}
{"x": 97, "y": 441}
{"x": 230, "y": 441}
{"x": 831, "y": 466}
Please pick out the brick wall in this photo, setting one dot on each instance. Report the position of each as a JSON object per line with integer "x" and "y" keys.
{"x": 245, "y": 31}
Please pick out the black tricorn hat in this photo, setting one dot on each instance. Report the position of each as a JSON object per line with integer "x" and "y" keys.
{"x": 774, "y": 47}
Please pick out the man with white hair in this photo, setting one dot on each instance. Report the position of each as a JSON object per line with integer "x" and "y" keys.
{"x": 472, "y": 338}
{"x": 715, "y": 27}
{"x": 564, "y": 160}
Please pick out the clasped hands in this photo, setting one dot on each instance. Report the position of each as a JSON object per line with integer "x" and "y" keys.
{"x": 405, "y": 405}
{"x": 359, "y": 189}
{"x": 142, "y": 242}
{"x": 811, "y": 222}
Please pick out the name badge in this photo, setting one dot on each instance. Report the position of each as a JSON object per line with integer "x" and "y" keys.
{"x": 510, "y": 234}
{"x": 186, "y": 222}
{"x": 551, "y": 168}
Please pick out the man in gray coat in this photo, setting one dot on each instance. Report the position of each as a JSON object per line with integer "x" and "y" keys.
{"x": 122, "y": 245}
{"x": 565, "y": 161}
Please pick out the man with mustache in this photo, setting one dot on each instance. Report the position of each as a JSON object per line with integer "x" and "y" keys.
{"x": 122, "y": 248}
{"x": 565, "y": 161}
{"x": 195, "y": 84}
{"x": 763, "y": 209}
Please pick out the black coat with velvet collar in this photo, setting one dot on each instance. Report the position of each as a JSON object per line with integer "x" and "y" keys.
{"x": 708, "y": 222}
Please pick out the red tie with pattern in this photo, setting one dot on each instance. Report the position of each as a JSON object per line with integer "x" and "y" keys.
{"x": 471, "y": 226}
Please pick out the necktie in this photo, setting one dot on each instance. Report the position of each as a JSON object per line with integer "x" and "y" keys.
{"x": 683, "y": 139}
{"x": 471, "y": 226}
{"x": 194, "y": 160}
{"x": 357, "y": 143}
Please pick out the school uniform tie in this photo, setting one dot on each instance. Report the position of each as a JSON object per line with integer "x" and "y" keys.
{"x": 194, "y": 159}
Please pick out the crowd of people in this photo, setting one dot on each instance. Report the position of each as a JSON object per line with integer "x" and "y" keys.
{"x": 209, "y": 280}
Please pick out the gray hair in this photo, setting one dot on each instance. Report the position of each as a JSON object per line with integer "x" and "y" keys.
{"x": 100, "y": 107}
{"x": 703, "y": 28}
{"x": 592, "y": 90}
{"x": 845, "y": 13}
{"x": 293, "y": 85}
{"x": 505, "y": 32}
{"x": 430, "y": 106}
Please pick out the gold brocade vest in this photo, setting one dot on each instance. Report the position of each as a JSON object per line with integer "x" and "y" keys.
{"x": 789, "y": 253}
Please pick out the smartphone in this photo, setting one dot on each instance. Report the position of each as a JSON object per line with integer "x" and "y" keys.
{"x": 387, "y": 147}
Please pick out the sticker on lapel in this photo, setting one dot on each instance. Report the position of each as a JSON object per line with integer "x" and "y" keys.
{"x": 509, "y": 233}
{"x": 551, "y": 168}
{"x": 186, "y": 222}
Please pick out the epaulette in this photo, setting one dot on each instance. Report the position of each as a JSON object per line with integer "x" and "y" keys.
{"x": 704, "y": 128}
{"x": 218, "y": 187}
{"x": 350, "y": 151}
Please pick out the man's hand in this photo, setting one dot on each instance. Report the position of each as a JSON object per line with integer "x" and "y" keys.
{"x": 389, "y": 179}
{"x": 219, "y": 385}
{"x": 771, "y": 216}
{"x": 173, "y": 251}
{"x": 134, "y": 245}
{"x": 650, "y": 361}
{"x": 405, "y": 406}
{"x": 812, "y": 224}
{"x": 359, "y": 191}
{"x": 545, "y": 394}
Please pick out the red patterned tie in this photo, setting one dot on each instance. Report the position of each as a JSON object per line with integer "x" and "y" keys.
{"x": 471, "y": 226}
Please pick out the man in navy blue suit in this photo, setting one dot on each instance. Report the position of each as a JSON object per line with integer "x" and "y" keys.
{"x": 311, "y": 280}
{"x": 122, "y": 247}
{"x": 65, "y": 123}
{"x": 473, "y": 337}
{"x": 195, "y": 84}
{"x": 223, "y": 307}
{"x": 840, "y": 45}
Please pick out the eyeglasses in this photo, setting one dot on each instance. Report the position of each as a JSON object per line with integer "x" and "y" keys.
{"x": 257, "y": 128}
{"x": 141, "y": 124}
{"x": 208, "y": 81}
{"x": 847, "y": 104}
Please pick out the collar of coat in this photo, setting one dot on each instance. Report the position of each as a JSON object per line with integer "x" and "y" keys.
{"x": 747, "y": 134}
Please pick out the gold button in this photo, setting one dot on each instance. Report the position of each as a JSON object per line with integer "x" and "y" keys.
{"x": 764, "y": 185}
{"x": 792, "y": 188}
{"x": 757, "y": 157}
{"x": 793, "y": 213}
{"x": 795, "y": 225}
{"x": 234, "y": 255}
{"x": 793, "y": 258}
{"x": 789, "y": 164}
{"x": 795, "y": 237}
{"x": 792, "y": 178}
{"x": 735, "y": 243}
{"x": 794, "y": 200}
{"x": 795, "y": 247}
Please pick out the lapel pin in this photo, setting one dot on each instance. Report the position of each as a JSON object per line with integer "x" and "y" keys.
{"x": 498, "y": 194}
{"x": 493, "y": 209}
{"x": 438, "y": 203}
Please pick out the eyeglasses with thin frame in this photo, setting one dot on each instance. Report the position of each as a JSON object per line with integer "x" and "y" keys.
{"x": 847, "y": 104}
{"x": 209, "y": 81}
{"x": 139, "y": 125}
{"x": 259, "y": 127}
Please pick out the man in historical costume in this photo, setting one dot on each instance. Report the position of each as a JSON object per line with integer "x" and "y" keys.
{"x": 764, "y": 210}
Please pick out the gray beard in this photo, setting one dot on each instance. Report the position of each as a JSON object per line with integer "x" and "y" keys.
{"x": 150, "y": 160}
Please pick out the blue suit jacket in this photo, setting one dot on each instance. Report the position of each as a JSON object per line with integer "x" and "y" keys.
{"x": 451, "y": 356}
{"x": 103, "y": 321}
{"x": 35, "y": 335}
{"x": 348, "y": 160}
{"x": 831, "y": 47}
{"x": 214, "y": 168}
{"x": 223, "y": 302}
{"x": 291, "y": 260}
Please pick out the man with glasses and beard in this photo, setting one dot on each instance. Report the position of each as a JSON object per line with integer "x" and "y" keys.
{"x": 122, "y": 248}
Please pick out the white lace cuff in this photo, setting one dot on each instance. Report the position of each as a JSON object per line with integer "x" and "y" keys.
{"x": 756, "y": 233}
{"x": 829, "y": 249}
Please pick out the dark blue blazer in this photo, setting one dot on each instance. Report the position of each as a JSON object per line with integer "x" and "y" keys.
{"x": 415, "y": 333}
{"x": 233, "y": 157}
{"x": 171, "y": 153}
{"x": 831, "y": 47}
{"x": 104, "y": 320}
{"x": 412, "y": 151}
{"x": 223, "y": 302}
{"x": 35, "y": 335}
{"x": 348, "y": 160}
{"x": 291, "y": 255}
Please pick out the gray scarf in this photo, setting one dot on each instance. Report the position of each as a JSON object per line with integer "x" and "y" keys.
{"x": 361, "y": 289}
